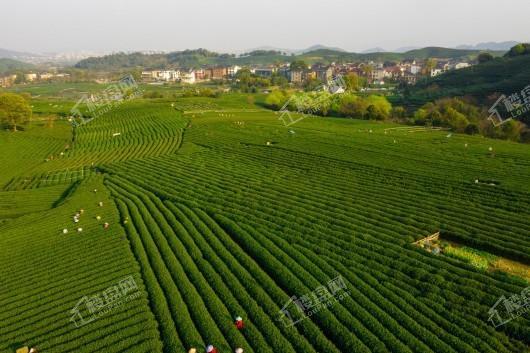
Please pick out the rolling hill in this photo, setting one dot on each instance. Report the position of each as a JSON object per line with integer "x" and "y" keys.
{"x": 11, "y": 65}
{"x": 215, "y": 209}
{"x": 483, "y": 82}
{"x": 199, "y": 57}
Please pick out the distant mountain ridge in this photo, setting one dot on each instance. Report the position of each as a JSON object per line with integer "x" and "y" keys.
{"x": 202, "y": 57}
{"x": 489, "y": 46}
{"x": 39, "y": 58}
{"x": 373, "y": 50}
{"x": 295, "y": 51}
{"x": 11, "y": 65}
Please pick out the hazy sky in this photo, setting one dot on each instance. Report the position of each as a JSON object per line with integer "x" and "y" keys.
{"x": 235, "y": 25}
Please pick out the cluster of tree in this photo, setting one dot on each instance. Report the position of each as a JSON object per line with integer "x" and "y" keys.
{"x": 263, "y": 53}
{"x": 484, "y": 58}
{"x": 11, "y": 66}
{"x": 518, "y": 50}
{"x": 373, "y": 107}
{"x": 14, "y": 110}
{"x": 153, "y": 94}
{"x": 464, "y": 117}
{"x": 247, "y": 82}
{"x": 201, "y": 57}
{"x": 200, "y": 92}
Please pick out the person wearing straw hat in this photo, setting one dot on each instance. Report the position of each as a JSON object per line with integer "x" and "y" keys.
{"x": 211, "y": 349}
{"x": 239, "y": 323}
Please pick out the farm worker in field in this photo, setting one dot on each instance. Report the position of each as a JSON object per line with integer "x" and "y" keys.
{"x": 79, "y": 229}
{"x": 100, "y": 203}
{"x": 211, "y": 349}
{"x": 239, "y": 350}
{"x": 33, "y": 350}
{"x": 98, "y": 218}
{"x": 81, "y": 211}
{"x": 192, "y": 350}
{"x": 106, "y": 225}
{"x": 65, "y": 231}
{"x": 239, "y": 323}
{"x": 95, "y": 190}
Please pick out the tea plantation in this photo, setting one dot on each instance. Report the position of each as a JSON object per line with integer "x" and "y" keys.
{"x": 217, "y": 210}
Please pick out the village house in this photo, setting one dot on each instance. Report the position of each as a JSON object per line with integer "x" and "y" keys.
{"x": 264, "y": 71}
{"x": 168, "y": 75}
{"x": 219, "y": 73}
{"x": 323, "y": 73}
{"x": 200, "y": 74}
{"x": 461, "y": 65}
{"x": 149, "y": 76}
{"x": 160, "y": 75}
{"x": 7, "y": 81}
{"x": 310, "y": 75}
{"x": 30, "y": 77}
{"x": 377, "y": 74}
{"x": 408, "y": 77}
{"x": 45, "y": 76}
{"x": 232, "y": 70}
{"x": 187, "y": 77}
{"x": 296, "y": 76}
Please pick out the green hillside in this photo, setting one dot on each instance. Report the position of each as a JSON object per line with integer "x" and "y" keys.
{"x": 215, "y": 209}
{"x": 506, "y": 75}
{"x": 201, "y": 57}
{"x": 10, "y": 65}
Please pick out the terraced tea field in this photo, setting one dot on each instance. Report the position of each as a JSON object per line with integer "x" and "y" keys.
{"x": 226, "y": 212}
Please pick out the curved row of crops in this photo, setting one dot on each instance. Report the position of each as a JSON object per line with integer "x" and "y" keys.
{"x": 132, "y": 131}
{"x": 45, "y": 273}
{"x": 248, "y": 214}
{"x": 357, "y": 216}
{"x": 17, "y": 203}
{"x": 403, "y": 314}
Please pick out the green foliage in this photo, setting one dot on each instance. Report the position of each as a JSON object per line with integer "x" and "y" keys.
{"x": 298, "y": 65}
{"x": 484, "y": 57}
{"x": 323, "y": 103}
{"x": 475, "y": 258}
{"x": 354, "y": 82}
{"x": 214, "y": 223}
{"x": 518, "y": 50}
{"x": 13, "y": 66}
{"x": 200, "y": 57}
{"x": 481, "y": 82}
{"x": 14, "y": 109}
{"x": 276, "y": 99}
{"x": 453, "y": 113}
{"x": 200, "y": 92}
{"x": 245, "y": 81}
